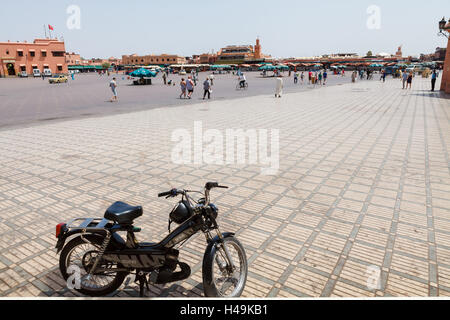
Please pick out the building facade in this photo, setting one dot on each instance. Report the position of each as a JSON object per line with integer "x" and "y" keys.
{"x": 439, "y": 54}
{"x": 163, "y": 59}
{"x": 241, "y": 54}
{"x": 73, "y": 59}
{"x": 207, "y": 58}
{"x": 17, "y": 57}
{"x": 445, "y": 83}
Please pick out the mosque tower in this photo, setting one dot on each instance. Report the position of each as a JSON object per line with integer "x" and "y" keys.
{"x": 258, "y": 54}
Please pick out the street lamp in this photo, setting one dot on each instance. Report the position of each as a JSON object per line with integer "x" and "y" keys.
{"x": 443, "y": 28}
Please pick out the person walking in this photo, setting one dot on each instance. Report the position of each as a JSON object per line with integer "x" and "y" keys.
{"x": 113, "y": 86}
{"x": 433, "y": 79}
{"x": 325, "y": 77}
{"x": 383, "y": 75}
{"x": 207, "y": 89}
{"x": 409, "y": 80}
{"x": 279, "y": 88}
{"x": 183, "y": 88}
{"x": 211, "y": 78}
{"x": 295, "y": 78}
{"x": 165, "y": 78}
{"x": 310, "y": 76}
{"x": 320, "y": 77}
{"x": 404, "y": 79}
{"x": 190, "y": 87}
{"x": 302, "y": 77}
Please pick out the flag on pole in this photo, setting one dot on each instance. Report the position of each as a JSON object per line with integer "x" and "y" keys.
{"x": 50, "y": 27}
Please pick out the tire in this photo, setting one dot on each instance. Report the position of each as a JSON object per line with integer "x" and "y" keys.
{"x": 209, "y": 267}
{"x": 113, "y": 285}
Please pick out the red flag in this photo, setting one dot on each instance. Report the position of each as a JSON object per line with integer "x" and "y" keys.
{"x": 50, "y": 27}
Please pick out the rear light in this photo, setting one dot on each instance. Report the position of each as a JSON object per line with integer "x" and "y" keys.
{"x": 60, "y": 227}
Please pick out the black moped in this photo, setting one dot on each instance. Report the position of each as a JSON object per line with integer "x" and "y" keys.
{"x": 102, "y": 259}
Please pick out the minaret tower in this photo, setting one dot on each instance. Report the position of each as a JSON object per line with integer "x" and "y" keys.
{"x": 258, "y": 54}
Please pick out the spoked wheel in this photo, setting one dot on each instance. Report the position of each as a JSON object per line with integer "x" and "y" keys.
{"x": 239, "y": 87}
{"x": 78, "y": 258}
{"x": 220, "y": 279}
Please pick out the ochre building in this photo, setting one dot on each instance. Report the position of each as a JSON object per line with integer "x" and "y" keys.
{"x": 16, "y": 57}
{"x": 445, "y": 84}
{"x": 241, "y": 54}
{"x": 163, "y": 59}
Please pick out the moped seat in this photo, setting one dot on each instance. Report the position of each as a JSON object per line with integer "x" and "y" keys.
{"x": 123, "y": 213}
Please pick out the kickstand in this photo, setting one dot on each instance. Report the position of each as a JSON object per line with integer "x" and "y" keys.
{"x": 143, "y": 283}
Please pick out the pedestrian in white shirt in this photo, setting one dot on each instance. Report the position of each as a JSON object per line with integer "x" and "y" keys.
{"x": 279, "y": 88}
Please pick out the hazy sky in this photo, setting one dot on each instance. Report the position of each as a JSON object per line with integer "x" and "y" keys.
{"x": 287, "y": 28}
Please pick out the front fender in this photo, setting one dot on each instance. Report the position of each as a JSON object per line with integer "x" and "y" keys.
{"x": 210, "y": 250}
{"x": 208, "y": 285}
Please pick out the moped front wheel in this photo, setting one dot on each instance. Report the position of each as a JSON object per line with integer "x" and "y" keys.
{"x": 222, "y": 277}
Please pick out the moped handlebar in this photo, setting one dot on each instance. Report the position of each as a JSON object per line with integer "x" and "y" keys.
{"x": 171, "y": 193}
{"x": 211, "y": 185}
{"x": 208, "y": 187}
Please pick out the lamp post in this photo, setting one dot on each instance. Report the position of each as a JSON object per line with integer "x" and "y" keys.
{"x": 444, "y": 30}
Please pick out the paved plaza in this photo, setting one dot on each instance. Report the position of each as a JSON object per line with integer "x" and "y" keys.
{"x": 363, "y": 186}
{"x": 34, "y": 101}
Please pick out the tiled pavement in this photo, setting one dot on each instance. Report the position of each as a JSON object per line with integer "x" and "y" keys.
{"x": 364, "y": 183}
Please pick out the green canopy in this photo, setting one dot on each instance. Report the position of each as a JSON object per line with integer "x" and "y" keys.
{"x": 143, "y": 73}
{"x": 267, "y": 67}
{"x": 376, "y": 65}
{"x": 218, "y": 66}
{"x": 282, "y": 67}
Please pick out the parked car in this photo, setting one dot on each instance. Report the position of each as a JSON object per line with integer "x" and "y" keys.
{"x": 36, "y": 73}
{"x": 47, "y": 73}
{"x": 23, "y": 74}
{"x": 58, "y": 79}
{"x": 182, "y": 73}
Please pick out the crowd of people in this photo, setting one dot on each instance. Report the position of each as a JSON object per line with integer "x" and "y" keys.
{"x": 315, "y": 78}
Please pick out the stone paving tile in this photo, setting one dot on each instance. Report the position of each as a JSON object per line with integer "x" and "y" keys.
{"x": 363, "y": 183}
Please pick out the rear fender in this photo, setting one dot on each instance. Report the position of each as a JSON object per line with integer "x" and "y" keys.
{"x": 116, "y": 240}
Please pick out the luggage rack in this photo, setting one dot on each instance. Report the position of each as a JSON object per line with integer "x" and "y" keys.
{"x": 88, "y": 224}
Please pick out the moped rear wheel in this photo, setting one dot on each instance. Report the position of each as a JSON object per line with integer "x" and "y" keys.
{"x": 219, "y": 278}
{"x": 77, "y": 259}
